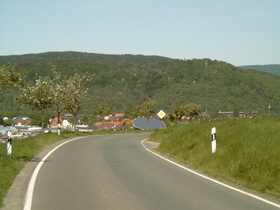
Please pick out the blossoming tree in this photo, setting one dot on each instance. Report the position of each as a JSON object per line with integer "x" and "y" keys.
{"x": 59, "y": 92}
{"x": 38, "y": 96}
{"x": 76, "y": 94}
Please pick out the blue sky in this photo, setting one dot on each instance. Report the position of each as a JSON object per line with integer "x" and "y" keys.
{"x": 240, "y": 32}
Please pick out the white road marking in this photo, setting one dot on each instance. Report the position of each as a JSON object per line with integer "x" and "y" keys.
{"x": 213, "y": 180}
{"x": 29, "y": 195}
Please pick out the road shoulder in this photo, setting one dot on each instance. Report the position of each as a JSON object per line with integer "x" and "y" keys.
{"x": 151, "y": 145}
{"x": 15, "y": 198}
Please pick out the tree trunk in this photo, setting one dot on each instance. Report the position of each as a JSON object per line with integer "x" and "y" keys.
{"x": 58, "y": 116}
{"x": 75, "y": 120}
{"x": 42, "y": 123}
{"x": 148, "y": 123}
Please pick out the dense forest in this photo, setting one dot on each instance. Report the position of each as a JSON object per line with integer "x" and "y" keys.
{"x": 127, "y": 80}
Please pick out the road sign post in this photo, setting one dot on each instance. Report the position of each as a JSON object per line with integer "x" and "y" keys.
{"x": 213, "y": 140}
{"x": 161, "y": 114}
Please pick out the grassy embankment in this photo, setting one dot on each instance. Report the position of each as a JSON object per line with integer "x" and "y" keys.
{"x": 24, "y": 150}
{"x": 248, "y": 151}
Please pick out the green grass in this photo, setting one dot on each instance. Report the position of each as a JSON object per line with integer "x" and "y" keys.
{"x": 248, "y": 151}
{"x": 24, "y": 150}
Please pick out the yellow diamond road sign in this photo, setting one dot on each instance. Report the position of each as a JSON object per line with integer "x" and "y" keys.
{"x": 161, "y": 114}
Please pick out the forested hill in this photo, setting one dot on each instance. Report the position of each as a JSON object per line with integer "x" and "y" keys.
{"x": 79, "y": 56}
{"x": 271, "y": 69}
{"x": 215, "y": 85}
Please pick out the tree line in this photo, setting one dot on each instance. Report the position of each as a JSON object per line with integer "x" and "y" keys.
{"x": 123, "y": 82}
{"x": 70, "y": 94}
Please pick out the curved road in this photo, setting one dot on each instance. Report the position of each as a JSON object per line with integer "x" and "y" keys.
{"x": 117, "y": 172}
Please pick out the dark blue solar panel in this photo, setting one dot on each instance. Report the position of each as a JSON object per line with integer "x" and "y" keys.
{"x": 145, "y": 124}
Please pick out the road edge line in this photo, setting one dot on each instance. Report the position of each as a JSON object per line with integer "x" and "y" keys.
{"x": 211, "y": 179}
{"x": 31, "y": 185}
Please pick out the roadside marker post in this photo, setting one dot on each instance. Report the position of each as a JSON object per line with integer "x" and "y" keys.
{"x": 9, "y": 144}
{"x": 58, "y": 129}
{"x": 213, "y": 140}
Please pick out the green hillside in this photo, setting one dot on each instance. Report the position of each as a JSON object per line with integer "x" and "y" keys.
{"x": 79, "y": 56}
{"x": 271, "y": 69}
{"x": 126, "y": 80}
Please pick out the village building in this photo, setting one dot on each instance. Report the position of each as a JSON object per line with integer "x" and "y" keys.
{"x": 22, "y": 121}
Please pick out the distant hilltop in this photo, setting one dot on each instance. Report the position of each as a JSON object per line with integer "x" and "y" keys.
{"x": 81, "y": 56}
{"x": 271, "y": 69}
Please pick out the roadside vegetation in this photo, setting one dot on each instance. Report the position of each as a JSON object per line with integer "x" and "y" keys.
{"x": 248, "y": 151}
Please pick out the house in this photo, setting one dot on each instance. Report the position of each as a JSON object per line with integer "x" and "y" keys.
{"x": 116, "y": 117}
{"x": 54, "y": 121}
{"x": 108, "y": 126}
{"x": 127, "y": 121}
{"x": 119, "y": 115}
{"x": 4, "y": 132}
{"x": 241, "y": 114}
{"x": 228, "y": 114}
{"x": 22, "y": 121}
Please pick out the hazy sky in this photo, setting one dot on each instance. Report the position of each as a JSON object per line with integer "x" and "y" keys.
{"x": 239, "y": 32}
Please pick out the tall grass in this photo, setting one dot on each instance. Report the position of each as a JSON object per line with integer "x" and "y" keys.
{"x": 248, "y": 150}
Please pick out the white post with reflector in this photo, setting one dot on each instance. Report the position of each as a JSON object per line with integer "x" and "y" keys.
{"x": 9, "y": 144}
{"x": 58, "y": 129}
{"x": 214, "y": 140}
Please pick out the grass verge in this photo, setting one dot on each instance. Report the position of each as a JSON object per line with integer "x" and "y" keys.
{"x": 248, "y": 151}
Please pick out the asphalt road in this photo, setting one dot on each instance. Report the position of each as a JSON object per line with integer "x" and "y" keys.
{"x": 117, "y": 172}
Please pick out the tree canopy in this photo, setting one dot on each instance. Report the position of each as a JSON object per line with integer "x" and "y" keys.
{"x": 38, "y": 96}
{"x": 61, "y": 93}
{"x": 75, "y": 95}
{"x": 9, "y": 77}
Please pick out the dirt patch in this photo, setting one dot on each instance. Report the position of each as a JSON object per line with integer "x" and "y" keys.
{"x": 151, "y": 145}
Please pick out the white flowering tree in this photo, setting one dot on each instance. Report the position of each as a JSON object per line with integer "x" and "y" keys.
{"x": 8, "y": 76}
{"x": 38, "y": 96}
{"x": 76, "y": 94}
{"x": 59, "y": 92}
